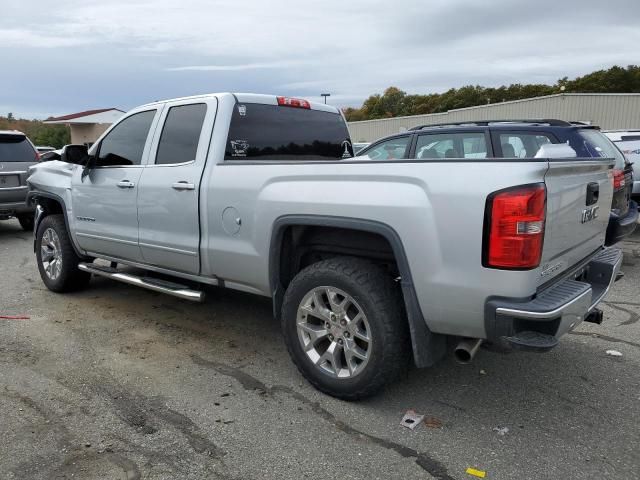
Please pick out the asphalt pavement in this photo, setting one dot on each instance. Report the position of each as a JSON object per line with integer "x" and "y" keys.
{"x": 116, "y": 382}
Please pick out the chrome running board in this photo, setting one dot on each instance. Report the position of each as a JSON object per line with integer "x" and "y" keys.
{"x": 155, "y": 284}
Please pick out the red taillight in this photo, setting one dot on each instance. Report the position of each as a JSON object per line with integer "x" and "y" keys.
{"x": 618, "y": 179}
{"x": 514, "y": 228}
{"x": 293, "y": 102}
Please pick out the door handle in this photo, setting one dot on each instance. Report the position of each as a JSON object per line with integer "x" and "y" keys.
{"x": 125, "y": 184}
{"x": 183, "y": 185}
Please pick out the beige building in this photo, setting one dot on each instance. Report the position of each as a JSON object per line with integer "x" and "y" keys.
{"x": 87, "y": 126}
{"x": 607, "y": 110}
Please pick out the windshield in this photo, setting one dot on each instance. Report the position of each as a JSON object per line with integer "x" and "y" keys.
{"x": 16, "y": 148}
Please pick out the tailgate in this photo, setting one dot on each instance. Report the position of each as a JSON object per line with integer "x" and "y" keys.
{"x": 579, "y": 194}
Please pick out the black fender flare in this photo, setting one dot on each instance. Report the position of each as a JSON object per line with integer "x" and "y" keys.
{"x": 428, "y": 347}
{"x": 32, "y": 197}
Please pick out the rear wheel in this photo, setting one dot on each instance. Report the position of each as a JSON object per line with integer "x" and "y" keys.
{"x": 344, "y": 327}
{"x": 57, "y": 260}
{"x": 26, "y": 222}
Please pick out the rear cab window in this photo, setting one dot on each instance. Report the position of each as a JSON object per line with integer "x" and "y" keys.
{"x": 443, "y": 145}
{"x": 16, "y": 148}
{"x": 275, "y": 132}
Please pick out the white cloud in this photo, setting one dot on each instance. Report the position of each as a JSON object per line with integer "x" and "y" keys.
{"x": 233, "y": 68}
{"x": 125, "y": 52}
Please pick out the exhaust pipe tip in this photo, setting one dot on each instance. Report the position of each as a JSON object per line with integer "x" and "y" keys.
{"x": 466, "y": 350}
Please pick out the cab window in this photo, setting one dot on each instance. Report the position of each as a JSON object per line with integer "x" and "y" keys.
{"x": 181, "y": 134}
{"x": 124, "y": 145}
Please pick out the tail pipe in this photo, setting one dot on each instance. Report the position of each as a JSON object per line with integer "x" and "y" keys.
{"x": 467, "y": 349}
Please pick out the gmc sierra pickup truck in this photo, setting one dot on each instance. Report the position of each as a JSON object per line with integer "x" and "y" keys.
{"x": 368, "y": 263}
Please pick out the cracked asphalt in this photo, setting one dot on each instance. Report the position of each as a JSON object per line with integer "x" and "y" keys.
{"x": 115, "y": 382}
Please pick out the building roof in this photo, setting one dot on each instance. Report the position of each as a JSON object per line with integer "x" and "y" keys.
{"x": 102, "y": 115}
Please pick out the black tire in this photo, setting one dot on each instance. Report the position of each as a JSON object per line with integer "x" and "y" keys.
{"x": 70, "y": 278}
{"x": 26, "y": 222}
{"x": 379, "y": 298}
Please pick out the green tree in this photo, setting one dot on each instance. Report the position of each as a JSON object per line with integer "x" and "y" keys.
{"x": 395, "y": 102}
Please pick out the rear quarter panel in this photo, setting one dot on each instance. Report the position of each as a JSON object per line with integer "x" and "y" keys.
{"x": 437, "y": 209}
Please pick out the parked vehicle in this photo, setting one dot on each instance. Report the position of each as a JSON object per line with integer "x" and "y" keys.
{"x": 622, "y": 135}
{"x": 359, "y": 146}
{"x": 628, "y": 141}
{"x": 366, "y": 262}
{"x": 51, "y": 155}
{"x": 17, "y": 154}
{"x": 517, "y": 139}
{"x": 44, "y": 149}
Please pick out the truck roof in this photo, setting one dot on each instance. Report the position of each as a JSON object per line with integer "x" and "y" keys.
{"x": 248, "y": 98}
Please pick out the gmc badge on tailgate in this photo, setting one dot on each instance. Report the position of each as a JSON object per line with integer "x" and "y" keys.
{"x": 589, "y": 214}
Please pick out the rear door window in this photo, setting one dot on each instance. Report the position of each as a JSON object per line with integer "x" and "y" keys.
{"x": 522, "y": 144}
{"x": 16, "y": 148}
{"x": 391, "y": 149}
{"x": 451, "y": 145}
{"x": 274, "y": 132}
{"x": 181, "y": 134}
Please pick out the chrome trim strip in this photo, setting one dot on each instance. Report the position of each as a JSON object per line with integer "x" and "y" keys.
{"x": 106, "y": 239}
{"x": 184, "y": 293}
{"x": 169, "y": 249}
{"x": 12, "y": 189}
{"x": 154, "y": 165}
{"x": 13, "y": 173}
{"x": 541, "y": 315}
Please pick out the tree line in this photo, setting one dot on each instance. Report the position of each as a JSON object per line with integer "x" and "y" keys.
{"x": 39, "y": 133}
{"x": 395, "y": 102}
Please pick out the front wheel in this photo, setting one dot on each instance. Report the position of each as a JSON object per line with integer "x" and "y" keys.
{"x": 57, "y": 260}
{"x": 344, "y": 327}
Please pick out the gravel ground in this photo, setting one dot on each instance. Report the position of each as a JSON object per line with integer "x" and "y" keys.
{"x": 120, "y": 383}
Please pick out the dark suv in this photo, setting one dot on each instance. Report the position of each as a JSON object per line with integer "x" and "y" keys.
{"x": 17, "y": 154}
{"x": 516, "y": 139}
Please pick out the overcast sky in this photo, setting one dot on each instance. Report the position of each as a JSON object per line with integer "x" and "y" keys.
{"x": 64, "y": 56}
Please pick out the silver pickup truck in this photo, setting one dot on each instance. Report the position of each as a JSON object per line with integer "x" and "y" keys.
{"x": 369, "y": 263}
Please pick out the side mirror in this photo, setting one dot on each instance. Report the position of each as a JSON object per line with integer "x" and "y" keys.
{"x": 76, "y": 154}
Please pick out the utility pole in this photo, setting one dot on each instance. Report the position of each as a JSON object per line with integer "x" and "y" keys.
{"x": 325, "y": 95}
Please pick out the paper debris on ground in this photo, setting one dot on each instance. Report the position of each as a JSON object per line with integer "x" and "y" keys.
{"x": 411, "y": 419}
{"x": 433, "y": 422}
{"x": 476, "y": 473}
{"x": 614, "y": 353}
{"x": 15, "y": 317}
{"x": 501, "y": 430}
